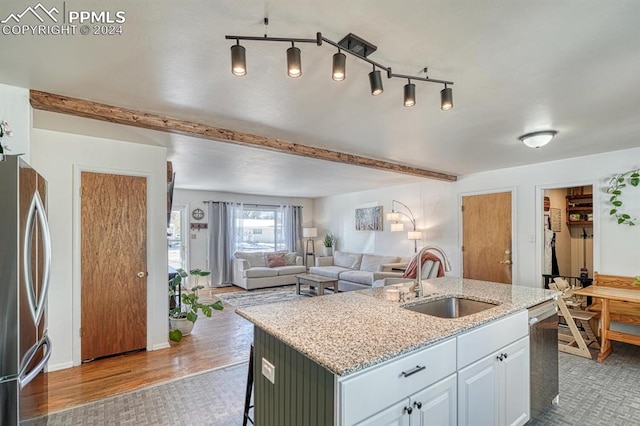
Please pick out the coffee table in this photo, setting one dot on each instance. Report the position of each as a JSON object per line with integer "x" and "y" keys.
{"x": 317, "y": 281}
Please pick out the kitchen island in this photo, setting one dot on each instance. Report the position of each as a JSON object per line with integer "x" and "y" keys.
{"x": 326, "y": 360}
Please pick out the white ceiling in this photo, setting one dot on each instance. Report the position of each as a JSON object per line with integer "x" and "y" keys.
{"x": 518, "y": 66}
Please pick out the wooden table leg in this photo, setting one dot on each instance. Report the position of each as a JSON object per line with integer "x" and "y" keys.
{"x": 297, "y": 285}
{"x": 335, "y": 287}
{"x": 320, "y": 290}
{"x": 605, "y": 345}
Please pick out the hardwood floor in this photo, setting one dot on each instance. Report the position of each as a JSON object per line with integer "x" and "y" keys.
{"x": 223, "y": 339}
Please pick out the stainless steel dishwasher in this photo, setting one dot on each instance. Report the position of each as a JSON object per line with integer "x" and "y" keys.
{"x": 543, "y": 349}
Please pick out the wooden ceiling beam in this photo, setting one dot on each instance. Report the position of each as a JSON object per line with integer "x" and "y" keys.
{"x": 129, "y": 117}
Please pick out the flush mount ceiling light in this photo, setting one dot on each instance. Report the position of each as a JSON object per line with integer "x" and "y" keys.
{"x": 351, "y": 44}
{"x": 538, "y": 139}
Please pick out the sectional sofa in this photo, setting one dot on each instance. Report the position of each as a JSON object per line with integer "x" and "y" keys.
{"x": 357, "y": 271}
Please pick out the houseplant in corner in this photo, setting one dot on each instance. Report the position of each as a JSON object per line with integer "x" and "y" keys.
{"x": 183, "y": 316}
{"x": 327, "y": 249}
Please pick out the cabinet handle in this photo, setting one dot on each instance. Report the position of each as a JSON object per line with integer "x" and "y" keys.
{"x": 413, "y": 371}
{"x": 500, "y": 357}
{"x": 417, "y": 404}
{"x": 408, "y": 410}
{"x": 505, "y": 356}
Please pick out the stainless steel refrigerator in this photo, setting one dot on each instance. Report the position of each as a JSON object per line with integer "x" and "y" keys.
{"x": 25, "y": 263}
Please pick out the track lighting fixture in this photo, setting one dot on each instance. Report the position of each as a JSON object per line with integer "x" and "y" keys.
{"x": 351, "y": 44}
{"x": 238, "y": 60}
{"x": 375, "y": 80}
{"x": 446, "y": 98}
{"x": 339, "y": 66}
{"x": 294, "y": 62}
{"x": 409, "y": 94}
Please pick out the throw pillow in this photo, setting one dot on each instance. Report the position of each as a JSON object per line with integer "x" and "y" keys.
{"x": 255, "y": 259}
{"x": 276, "y": 259}
{"x": 291, "y": 258}
{"x": 344, "y": 260}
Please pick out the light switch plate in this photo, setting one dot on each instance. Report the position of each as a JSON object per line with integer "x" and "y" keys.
{"x": 269, "y": 371}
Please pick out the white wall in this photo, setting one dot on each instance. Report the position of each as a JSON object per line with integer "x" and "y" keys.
{"x": 59, "y": 157}
{"x": 195, "y": 199}
{"x": 16, "y": 110}
{"x": 436, "y": 207}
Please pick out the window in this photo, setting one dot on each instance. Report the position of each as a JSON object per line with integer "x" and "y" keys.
{"x": 261, "y": 229}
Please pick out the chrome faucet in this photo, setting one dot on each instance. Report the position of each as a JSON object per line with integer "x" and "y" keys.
{"x": 445, "y": 259}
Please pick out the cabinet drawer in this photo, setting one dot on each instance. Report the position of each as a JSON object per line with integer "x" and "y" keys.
{"x": 486, "y": 339}
{"x": 366, "y": 393}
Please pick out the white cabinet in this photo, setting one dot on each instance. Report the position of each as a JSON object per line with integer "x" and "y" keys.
{"x": 435, "y": 405}
{"x": 379, "y": 390}
{"x": 495, "y": 390}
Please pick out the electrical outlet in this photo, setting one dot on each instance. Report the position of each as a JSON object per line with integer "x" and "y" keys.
{"x": 269, "y": 371}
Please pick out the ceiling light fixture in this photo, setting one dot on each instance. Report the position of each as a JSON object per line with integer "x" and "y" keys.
{"x": 538, "y": 139}
{"x": 294, "y": 62}
{"x": 375, "y": 80}
{"x": 339, "y": 72}
{"x": 446, "y": 98}
{"x": 351, "y": 44}
{"x": 409, "y": 94}
{"x": 238, "y": 60}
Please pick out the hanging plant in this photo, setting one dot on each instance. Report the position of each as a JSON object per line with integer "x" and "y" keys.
{"x": 616, "y": 186}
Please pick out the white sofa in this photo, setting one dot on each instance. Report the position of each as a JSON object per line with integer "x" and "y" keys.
{"x": 251, "y": 270}
{"x": 357, "y": 271}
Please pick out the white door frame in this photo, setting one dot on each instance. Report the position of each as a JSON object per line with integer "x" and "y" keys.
{"x": 185, "y": 232}
{"x": 540, "y": 221}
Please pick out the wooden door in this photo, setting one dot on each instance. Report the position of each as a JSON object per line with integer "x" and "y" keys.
{"x": 114, "y": 264}
{"x": 486, "y": 237}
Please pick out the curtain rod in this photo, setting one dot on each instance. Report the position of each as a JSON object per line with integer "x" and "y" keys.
{"x": 251, "y": 204}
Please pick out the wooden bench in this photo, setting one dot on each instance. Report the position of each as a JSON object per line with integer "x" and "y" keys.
{"x": 619, "y": 311}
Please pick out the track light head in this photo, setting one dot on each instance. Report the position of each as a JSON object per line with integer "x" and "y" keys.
{"x": 446, "y": 98}
{"x": 294, "y": 62}
{"x": 339, "y": 66}
{"x": 375, "y": 80}
{"x": 409, "y": 94}
{"x": 238, "y": 60}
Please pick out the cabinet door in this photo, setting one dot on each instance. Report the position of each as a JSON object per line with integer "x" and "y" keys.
{"x": 396, "y": 415}
{"x": 515, "y": 379}
{"x": 436, "y": 405}
{"x": 478, "y": 393}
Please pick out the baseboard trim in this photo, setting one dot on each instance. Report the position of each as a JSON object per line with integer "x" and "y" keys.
{"x": 60, "y": 366}
{"x": 159, "y": 346}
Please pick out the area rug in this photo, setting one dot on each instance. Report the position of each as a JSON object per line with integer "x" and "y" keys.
{"x": 243, "y": 299}
{"x": 215, "y": 397}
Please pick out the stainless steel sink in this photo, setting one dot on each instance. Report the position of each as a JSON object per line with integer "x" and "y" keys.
{"x": 451, "y": 307}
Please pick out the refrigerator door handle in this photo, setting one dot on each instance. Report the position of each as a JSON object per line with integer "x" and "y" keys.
{"x": 36, "y": 209}
{"x": 26, "y": 378}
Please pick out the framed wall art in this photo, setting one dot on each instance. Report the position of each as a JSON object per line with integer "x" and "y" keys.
{"x": 369, "y": 219}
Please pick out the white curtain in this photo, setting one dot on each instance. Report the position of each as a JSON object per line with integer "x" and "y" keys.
{"x": 224, "y": 233}
{"x": 291, "y": 228}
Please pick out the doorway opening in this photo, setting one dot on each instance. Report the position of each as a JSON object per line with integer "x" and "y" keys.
{"x": 568, "y": 235}
{"x": 177, "y": 234}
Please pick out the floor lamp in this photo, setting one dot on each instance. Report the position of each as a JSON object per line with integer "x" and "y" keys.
{"x": 309, "y": 233}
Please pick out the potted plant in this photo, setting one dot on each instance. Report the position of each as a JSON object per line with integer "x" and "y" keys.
{"x": 327, "y": 249}
{"x": 184, "y": 314}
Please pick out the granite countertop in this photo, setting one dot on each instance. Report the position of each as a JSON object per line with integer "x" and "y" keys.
{"x": 350, "y": 331}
